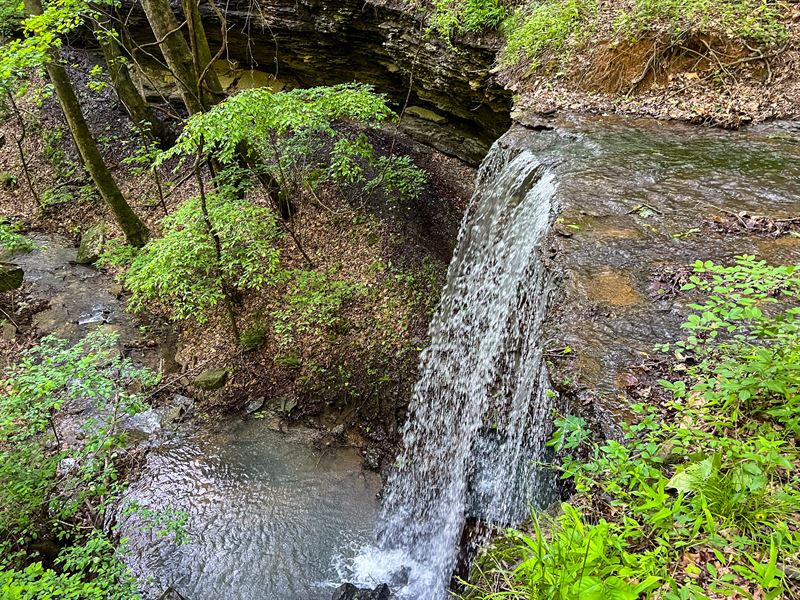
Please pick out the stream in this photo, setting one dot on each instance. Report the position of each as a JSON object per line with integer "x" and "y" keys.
{"x": 268, "y": 515}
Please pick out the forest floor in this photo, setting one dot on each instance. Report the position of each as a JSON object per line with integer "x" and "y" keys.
{"x": 355, "y": 379}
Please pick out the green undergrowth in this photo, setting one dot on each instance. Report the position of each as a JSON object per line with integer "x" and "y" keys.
{"x": 467, "y": 16}
{"x": 754, "y": 21}
{"x": 536, "y": 32}
{"x": 701, "y": 497}
{"x": 11, "y": 240}
{"x": 55, "y": 494}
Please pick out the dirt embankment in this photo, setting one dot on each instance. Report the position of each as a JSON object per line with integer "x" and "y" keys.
{"x": 693, "y": 70}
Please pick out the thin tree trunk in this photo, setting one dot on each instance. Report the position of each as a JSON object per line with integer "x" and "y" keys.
{"x": 19, "y": 141}
{"x": 208, "y": 81}
{"x": 137, "y": 107}
{"x": 226, "y": 292}
{"x": 175, "y": 50}
{"x": 135, "y": 231}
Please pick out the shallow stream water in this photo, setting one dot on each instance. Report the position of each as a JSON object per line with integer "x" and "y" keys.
{"x": 269, "y": 517}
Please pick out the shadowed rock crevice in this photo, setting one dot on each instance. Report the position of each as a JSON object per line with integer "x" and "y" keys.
{"x": 458, "y": 107}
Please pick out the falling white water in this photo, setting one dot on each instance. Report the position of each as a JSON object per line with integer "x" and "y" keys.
{"x": 476, "y": 425}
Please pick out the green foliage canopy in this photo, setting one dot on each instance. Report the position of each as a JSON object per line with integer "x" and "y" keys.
{"x": 294, "y": 135}
{"x": 181, "y": 270}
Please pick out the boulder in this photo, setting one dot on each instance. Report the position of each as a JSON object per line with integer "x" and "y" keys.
{"x": 141, "y": 426}
{"x": 254, "y": 405}
{"x": 8, "y": 331}
{"x": 10, "y": 277}
{"x": 171, "y": 594}
{"x": 92, "y": 242}
{"x": 347, "y": 591}
{"x": 211, "y": 379}
{"x": 425, "y": 114}
{"x": 180, "y": 408}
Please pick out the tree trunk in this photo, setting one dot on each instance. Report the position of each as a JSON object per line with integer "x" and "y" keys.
{"x": 137, "y": 107}
{"x": 175, "y": 50}
{"x": 210, "y": 88}
{"x": 135, "y": 230}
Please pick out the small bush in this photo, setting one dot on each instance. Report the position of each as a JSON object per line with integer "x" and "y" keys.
{"x": 34, "y": 500}
{"x": 182, "y": 271}
{"x": 12, "y": 240}
{"x": 57, "y": 196}
{"x": 11, "y": 17}
{"x": 253, "y": 337}
{"x": 8, "y": 181}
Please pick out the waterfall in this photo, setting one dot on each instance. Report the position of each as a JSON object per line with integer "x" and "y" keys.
{"x": 477, "y": 418}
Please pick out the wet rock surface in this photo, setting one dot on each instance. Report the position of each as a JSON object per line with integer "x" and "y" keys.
{"x": 92, "y": 241}
{"x": 211, "y": 379}
{"x": 78, "y": 296}
{"x": 348, "y": 591}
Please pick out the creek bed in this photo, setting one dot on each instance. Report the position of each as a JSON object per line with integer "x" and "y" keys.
{"x": 269, "y": 516}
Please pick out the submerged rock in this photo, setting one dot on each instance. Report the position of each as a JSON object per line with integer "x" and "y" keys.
{"x": 171, "y": 594}
{"x": 180, "y": 408}
{"x": 211, "y": 379}
{"x": 10, "y": 277}
{"x": 142, "y": 425}
{"x": 347, "y": 591}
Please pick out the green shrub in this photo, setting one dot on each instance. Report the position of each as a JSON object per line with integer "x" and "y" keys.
{"x": 47, "y": 376}
{"x": 182, "y": 270}
{"x": 8, "y": 181}
{"x": 253, "y": 337}
{"x": 56, "y": 196}
{"x": 567, "y": 558}
{"x": 33, "y": 501}
{"x": 537, "y": 31}
{"x": 91, "y": 570}
{"x": 13, "y": 241}
{"x": 12, "y": 15}
{"x": 461, "y": 16}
